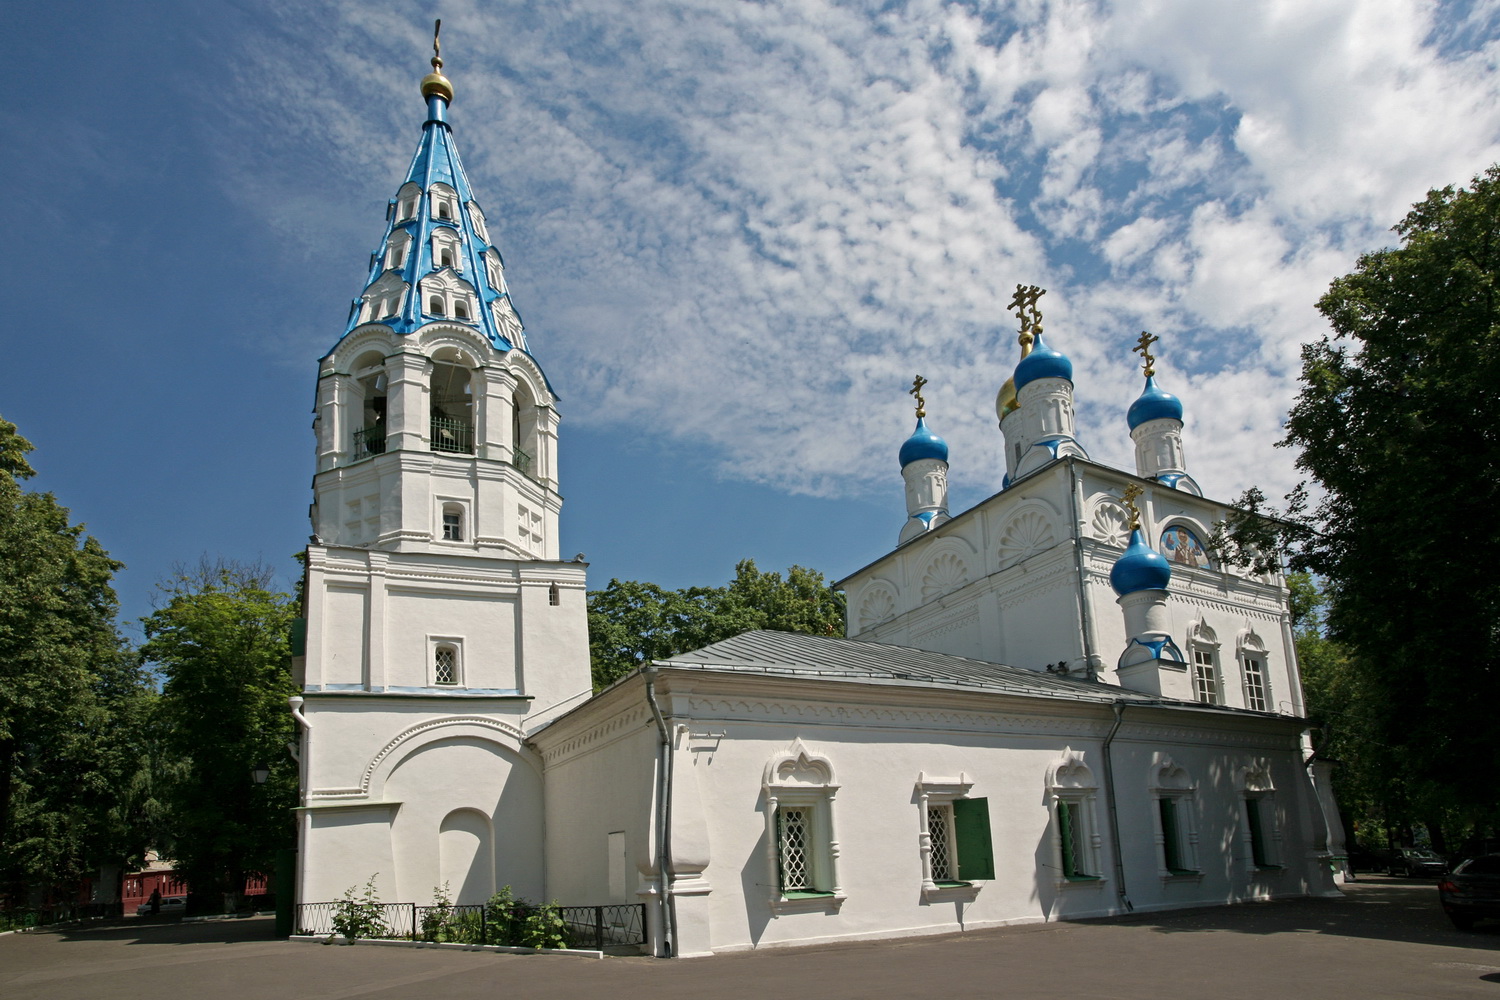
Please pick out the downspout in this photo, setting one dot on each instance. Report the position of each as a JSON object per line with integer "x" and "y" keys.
{"x": 1114, "y": 812}
{"x": 1086, "y": 622}
{"x": 663, "y": 819}
{"x": 304, "y": 760}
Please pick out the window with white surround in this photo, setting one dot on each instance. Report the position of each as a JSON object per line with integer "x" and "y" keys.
{"x": 1252, "y": 657}
{"x": 446, "y": 294}
{"x": 1204, "y": 644}
{"x": 445, "y": 249}
{"x": 453, "y": 522}
{"x": 953, "y": 837}
{"x": 476, "y": 217}
{"x": 1075, "y": 830}
{"x": 444, "y": 203}
{"x": 445, "y": 661}
{"x": 406, "y": 202}
{"x": 1260, "y": 828}
{"x": 1173, "y": 795}
{"x": 492, "y": 270}
{"x": 395, "y": 249}
{"x": 801, "y": 844}
{"x": 383, "y": 298}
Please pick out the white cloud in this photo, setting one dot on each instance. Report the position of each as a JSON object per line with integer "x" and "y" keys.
{"x": 751, "y": 224}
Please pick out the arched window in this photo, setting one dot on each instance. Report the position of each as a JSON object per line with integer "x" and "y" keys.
{"x": 444, "y": 202}
{"x": 801, "y": 841}
{"x": 395, "y": 251}
{"x": 435, "y": 305}
{"x": 1252, "y": 657}
{"x": 452, "y": 405}
{"x": 369, "y": 429}
{"x": 461, "y": 309}
{"x": 1075, "y": 828}
{"x": 554, "y": 595}
{"x": 1176, "y": 823}
{"x": 1203, "y": 645}
{"x": 406, "y": 202}
{"x": 1260, "y": 827}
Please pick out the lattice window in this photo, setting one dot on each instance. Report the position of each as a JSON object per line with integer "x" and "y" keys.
{"x": 1205, "y": 677}
{"x": 792, "y": 841}
{"x": 445, "y": 665}
{"x": 1071, "y": 833}
{"x": 1255, "y": 685}
{"x": 938, "y": 829}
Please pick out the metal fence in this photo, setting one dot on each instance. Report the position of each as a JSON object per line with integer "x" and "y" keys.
{"x": 518, "y": 924}
{"x": 58, "y": 913}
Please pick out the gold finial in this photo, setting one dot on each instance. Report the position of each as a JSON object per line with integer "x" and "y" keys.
{"x": 1127, "y": 497}
{"x": 1143, "y": 348}
{"x": 435, "y": 82}
{"x": 916, "y": 390}
{"x": 1023, "y": 304}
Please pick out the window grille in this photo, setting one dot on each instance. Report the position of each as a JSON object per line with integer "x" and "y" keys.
{"x": 937, "y": 832}
{"x": 1205, "y": 678}
{"x": 1255, "y": 686}
{"x": 446, "y": 666}
{"x": 1070, "y": 832}
{"x": 554, "y": 595}
{"x": 792, "y": 837}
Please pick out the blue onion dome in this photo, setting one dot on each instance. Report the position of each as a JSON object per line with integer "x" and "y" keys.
{"x": 1153, "y": 404}
{"x": 1140, "y": 568}
{"x": 923, "y": 444}
{"x": 1043, "y": 362}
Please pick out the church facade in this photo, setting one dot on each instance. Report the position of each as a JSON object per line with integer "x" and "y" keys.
{"x": 1053, "y": 705}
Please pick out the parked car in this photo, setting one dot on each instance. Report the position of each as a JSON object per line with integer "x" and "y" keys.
{"x": 169, "y": 904}
{"x": 1415, "y": 862}
{"x": 1472, "y": 891}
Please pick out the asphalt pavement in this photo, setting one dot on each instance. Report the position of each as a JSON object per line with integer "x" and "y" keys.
{"x": 1385, "y": 938}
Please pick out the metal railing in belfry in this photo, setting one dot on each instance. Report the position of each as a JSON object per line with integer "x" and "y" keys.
{"x": 369, "y": 441}
{"x": 522, "y": 461}
{"x": 452, "y": 435}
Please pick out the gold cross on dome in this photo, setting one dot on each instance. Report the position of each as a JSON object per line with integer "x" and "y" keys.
{"x": 1023, "y": 304}
{"x": 1143, "y": 348}
{"x": 437, "y": 47}
{"x": 1128, "y": 497}
{"x": 916, "y": 390}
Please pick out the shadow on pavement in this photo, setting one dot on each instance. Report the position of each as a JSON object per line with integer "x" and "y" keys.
{"x": 170, "y": 931}
{"x": 1388, "y": 909}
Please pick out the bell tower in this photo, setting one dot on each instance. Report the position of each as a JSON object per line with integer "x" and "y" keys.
{"x": 441, "y": 625}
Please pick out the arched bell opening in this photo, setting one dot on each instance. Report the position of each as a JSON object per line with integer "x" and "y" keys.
{"x": 451, "y": 401}
{"x": 370, "y": 428}
{"x": 523, "y": 429}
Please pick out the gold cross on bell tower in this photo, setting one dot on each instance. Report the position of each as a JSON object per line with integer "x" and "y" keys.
{"x": 916, "y": 390}
{"x": 1023, "y": 304}
{"x": 1143, "y": 348}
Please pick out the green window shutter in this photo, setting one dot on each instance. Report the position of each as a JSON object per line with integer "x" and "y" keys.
{"x": 971, "y": 829}
{"x": 1065, "y": 834}
{"x": 1170, "y": 848}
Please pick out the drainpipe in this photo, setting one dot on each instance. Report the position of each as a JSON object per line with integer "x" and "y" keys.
{"x": 1086, "y": 615}
{"x": 1114, "y": 812}
{"x": 304, "y": 759}
{"x": 663, "y": 819}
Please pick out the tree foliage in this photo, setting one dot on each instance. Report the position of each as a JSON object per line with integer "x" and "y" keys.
{"x": 633, "y": 623}
{"x": 221, "y": 641}
{"x": 73, "y": 703}
{"x": 1395, "y": 423}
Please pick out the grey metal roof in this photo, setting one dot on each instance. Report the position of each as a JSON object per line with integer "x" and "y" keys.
{"x": 796, "y": 654}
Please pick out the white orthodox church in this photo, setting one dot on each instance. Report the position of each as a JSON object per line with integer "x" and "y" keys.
{"x": 1054, "y": 705}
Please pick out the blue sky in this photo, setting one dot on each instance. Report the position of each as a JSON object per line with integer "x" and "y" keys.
{"x": 735, "y": 232}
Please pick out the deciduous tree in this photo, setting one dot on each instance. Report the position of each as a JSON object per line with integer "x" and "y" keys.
{"x": 632, "y": 623}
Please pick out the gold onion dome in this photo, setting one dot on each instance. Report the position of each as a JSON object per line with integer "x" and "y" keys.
{"x": 436, "y": 83}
